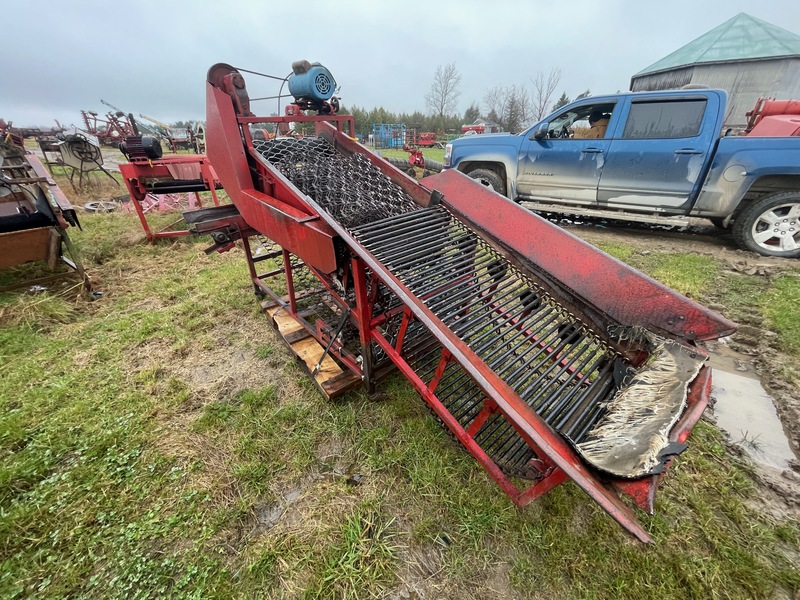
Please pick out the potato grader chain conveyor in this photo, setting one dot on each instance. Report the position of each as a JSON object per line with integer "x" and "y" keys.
{"x": 544, "y": 357}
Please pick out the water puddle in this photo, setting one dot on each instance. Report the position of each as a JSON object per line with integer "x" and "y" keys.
{"x": 747, "y": 413}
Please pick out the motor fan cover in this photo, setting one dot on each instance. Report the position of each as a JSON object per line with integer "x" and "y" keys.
{"x": 311, "y": 82}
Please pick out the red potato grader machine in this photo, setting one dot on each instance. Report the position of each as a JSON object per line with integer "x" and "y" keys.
{"x": 545, "y": 358}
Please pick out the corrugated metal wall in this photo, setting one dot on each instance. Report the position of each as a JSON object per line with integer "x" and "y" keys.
{"x": 668, "y": 80}
{"x": 745, "y": 82}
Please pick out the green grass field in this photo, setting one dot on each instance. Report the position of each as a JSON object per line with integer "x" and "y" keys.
{"x": 162, "y": 442}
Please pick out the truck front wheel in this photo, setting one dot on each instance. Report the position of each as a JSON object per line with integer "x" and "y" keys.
{"x": 770, "y": 225}
{"x": 489, "y": 179}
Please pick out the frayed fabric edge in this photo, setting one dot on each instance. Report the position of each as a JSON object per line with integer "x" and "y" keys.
{"x": 632, "y": 438}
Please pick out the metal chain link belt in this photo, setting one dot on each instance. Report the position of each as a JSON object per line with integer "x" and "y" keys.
{"x": 349, "y": 188}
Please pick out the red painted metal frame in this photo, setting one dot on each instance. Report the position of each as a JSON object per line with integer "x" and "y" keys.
{"x": 605, "y": 287}
{"x": 138, "y": 174}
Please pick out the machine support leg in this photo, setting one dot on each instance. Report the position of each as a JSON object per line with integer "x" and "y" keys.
{"x": 473, "y": 448}
{"x": 140, "y": 211}
{"x": 250, "y": 264}
{"x": 364, "y": 318}
{"x": 287, "y": 269}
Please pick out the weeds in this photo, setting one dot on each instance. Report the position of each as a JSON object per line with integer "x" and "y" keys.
{"x": 749, "y": 441}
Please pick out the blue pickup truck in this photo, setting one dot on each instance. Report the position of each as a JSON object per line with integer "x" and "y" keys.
{"x": 663, "y": 157}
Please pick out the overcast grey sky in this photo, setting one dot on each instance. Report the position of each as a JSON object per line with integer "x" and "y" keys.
{"x": 151, "y": 57}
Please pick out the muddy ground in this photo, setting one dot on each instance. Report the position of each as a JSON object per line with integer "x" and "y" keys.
{"x": 751, "y": 348}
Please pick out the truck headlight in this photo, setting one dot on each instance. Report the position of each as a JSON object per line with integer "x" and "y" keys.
{"x": 448, "y": 150}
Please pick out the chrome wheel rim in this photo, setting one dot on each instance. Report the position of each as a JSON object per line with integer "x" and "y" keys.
{"x": 778, "y": 228}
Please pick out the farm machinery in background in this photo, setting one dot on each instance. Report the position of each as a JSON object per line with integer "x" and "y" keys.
{"x": 176, "y": 137}
{"x": 26, "y": 132}
{"x": 397, "y": 136}
{"x": 34, "y": 215}
{"x": 116, "y": 125}
{"x": 111, "y": 129}
{"x": 774, "y": 118}
{"x": 547, "y": 359}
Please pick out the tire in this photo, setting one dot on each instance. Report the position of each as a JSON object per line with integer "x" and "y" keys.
{"x": 770, "y": 225}
{"x": 489, "y": 179}
{"x": 434, "y": 166}
{"x": 100, "y": 206}
{"x": 400, "y": 163}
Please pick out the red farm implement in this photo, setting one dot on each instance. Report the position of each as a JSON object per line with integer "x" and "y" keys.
{"x": 774, "y": 118}
{"x": 425, "y": 139}
{"x": 545, "y": 358}
{"x": 151, "y": 177}
{"x": 111, "y": 129}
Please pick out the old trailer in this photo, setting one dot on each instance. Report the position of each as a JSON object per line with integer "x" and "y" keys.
{"x": 547, "y": 359}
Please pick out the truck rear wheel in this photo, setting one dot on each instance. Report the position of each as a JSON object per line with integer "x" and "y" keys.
{"x": 489, "y": 179}
{"x": 770, "y": 225}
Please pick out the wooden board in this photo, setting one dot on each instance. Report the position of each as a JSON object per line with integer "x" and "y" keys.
{"x": 28, "y": 245}
{"x": 331, "y": 379}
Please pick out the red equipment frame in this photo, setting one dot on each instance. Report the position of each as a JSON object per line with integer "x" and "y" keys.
{"x": 774, "y": 118}
{"x": 116, "y": 128}
{"x": 166, "y": 175}
{"x": 308, "y": 238}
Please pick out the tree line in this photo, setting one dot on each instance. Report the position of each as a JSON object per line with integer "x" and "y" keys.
{"x": 514, "y": 107}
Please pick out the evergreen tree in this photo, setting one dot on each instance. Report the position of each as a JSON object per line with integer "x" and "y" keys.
{"x": 563, "y": 101}
{"x": 471, "y": 114}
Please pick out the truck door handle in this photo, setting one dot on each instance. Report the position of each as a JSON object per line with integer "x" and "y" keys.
{"x": 592, "y": 151}
{"x": 688, "y": 151}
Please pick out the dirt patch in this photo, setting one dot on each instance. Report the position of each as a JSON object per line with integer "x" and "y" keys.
{"x": 209, "y": 373}
{"x": 421, "y": 574}
{"x": 699, "y": 238}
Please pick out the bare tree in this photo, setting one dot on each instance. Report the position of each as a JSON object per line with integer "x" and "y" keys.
{"x": 509, "y": 106}
{"x": 518, "y": 109}
{"x": 543, "y": 88}
{"x": 494, "y": 101}
{"x": 442, "y": 97}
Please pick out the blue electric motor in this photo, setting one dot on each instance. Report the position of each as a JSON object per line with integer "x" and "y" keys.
{"x": 311, "y": 82}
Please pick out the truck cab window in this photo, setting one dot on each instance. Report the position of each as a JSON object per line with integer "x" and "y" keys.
{"x": 665, "y": 120}
{"x": 588, "y": 121}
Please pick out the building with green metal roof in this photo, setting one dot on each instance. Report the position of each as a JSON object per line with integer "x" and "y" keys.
{"x": 747, "y": 57}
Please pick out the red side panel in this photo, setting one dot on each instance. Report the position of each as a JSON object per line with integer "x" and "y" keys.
{"x": 777, "y": 126}
{"x": 303, "y": 234}
{"x": 224, "y": 143}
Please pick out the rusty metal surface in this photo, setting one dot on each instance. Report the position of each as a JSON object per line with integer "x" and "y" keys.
{"x": 34, "y": 216}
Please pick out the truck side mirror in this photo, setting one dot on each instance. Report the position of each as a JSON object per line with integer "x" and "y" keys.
{"x": 541, "y": 133}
